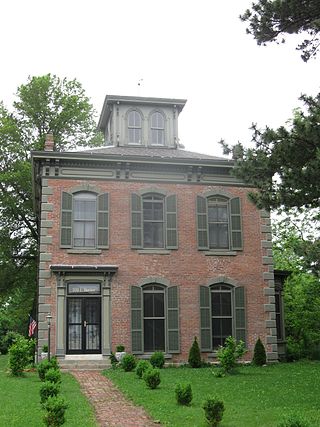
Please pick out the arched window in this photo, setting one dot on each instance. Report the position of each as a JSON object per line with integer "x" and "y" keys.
{"x": 153, "y": 221}
{"x": 219, "y": 223}
{"x": 154, "y": 318}
{"x": 157, "y": 129}
{"x": 221, "y": 314}
{"x": 134, "y": 127}
{"x": 84, "y": 220}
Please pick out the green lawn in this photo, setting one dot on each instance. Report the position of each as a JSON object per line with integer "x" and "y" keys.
{"x": 252, "y": 397}
{"x": 19, "y": 401}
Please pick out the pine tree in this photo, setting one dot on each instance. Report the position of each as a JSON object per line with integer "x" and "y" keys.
{"x": 259, "y": 354}
{"x": 194, "y": 358}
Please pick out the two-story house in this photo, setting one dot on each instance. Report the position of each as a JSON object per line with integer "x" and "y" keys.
{"x": 148, "y": 245}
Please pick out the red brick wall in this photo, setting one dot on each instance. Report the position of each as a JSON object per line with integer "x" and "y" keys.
{"x": 186, "y": 267}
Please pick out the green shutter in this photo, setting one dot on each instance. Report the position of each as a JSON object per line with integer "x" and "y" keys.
{"x": 103, "y": 221}
{"x": 173, "y": 320}
{"x": 202, "y": 223}
{"x": 205, "y": 319}
{"x": 136, "y": 320}
{"x": 136, "y": 221}
{"x": 66, "y": 220}
{"x": 171, "y": 225}
{"x": 240, "y": 315}
{"x": 236, "y": 229}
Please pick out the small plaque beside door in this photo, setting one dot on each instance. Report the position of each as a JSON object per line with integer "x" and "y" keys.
{"x": 84, "y": 289}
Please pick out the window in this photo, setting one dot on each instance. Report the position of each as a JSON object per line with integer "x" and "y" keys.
{"x": 157, "y": 129}
{"x": 134, "y": 127}
{"x": 219, "y": 223}
{"x": 222, "y": 314}
{"x": 84, "y": 220}
{"x": 154, "y": 319}
{"x": 154, "y": 221}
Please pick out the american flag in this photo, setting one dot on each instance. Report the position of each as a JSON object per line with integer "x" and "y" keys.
{"x": 32, "y": 326}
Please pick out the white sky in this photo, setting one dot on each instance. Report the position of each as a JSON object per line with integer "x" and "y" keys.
{"x": 180, "y": 48}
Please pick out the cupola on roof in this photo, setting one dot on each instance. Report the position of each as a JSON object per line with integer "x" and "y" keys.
{"x": 140, "y": 121}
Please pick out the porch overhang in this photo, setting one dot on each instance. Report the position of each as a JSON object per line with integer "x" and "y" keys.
{"x": 76, "y": 269}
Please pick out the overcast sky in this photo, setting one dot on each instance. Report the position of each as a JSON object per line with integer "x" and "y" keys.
{"x": 196, "y": 50}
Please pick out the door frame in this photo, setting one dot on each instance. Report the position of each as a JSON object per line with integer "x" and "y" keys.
{"x": 83, "y": 299}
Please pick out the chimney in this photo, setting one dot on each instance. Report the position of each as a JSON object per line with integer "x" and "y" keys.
{"x": 49, "y": 143}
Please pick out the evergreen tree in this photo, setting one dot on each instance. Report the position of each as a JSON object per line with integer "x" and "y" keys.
{"x": 259, "y": 354}
{"x": 194, "y": 358}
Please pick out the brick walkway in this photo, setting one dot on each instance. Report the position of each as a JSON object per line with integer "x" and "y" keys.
{"x": 111, "y": 407}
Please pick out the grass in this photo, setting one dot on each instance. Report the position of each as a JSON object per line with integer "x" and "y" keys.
{"x": 253, "y": 396}
{"x": 20, "y": 400}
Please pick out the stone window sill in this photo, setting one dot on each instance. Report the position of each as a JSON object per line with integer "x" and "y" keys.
{"x": 84, "y": 251}
{"x": 154, "y": 251}
{"x": 220, "y": 253}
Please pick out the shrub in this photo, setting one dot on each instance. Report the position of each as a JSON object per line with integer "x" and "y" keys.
{"x": 230, "y": 352}
{"x": 128, "y": 362}
{"x": 45, "y": 365}
{"x": 55, "y": 407}
{"x": 213, "y": 410}
{"x": 152, "y": 377}
{"x": 142, "y": 366}
{"x": 294, "y": 420}
{"x": 120, "y": 348}
{"x": 183, "y": 394}
{"x": 19, "y": 355}
{"x": 194, "y": 358}
{"x": 259, "y": 354}
{"x": 45, "y": 348}
{"x": 157, "y": 359}
{"x": 219, "y": 372}
{"x": 7, "y": 341}
{"x": 113, "y": 360}
{"x": 53, "y": 375}
{"x": 48, "y": 389}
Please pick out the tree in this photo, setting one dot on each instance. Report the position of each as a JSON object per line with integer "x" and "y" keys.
{"x": 45, "y": 104}
{"x": 302, "y": 288}
{"x": 270, "y": 20}
{"x": 285, "y": 163}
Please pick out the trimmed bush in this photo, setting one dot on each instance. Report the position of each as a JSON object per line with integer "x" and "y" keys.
{"x": 45, "y": 365}
{"x": 259, "y": 354}
{"x": 194, "y": 358}
{"x": 213, "y": 410}
{"x": 19, "y": 356}
{"x": 142, "y": 366}
{"x": 229, "y": 353}
{"x": 48, "y": 389}
{"x": 183, "y": 394}
{"x": 152, "y": 377}
{"x": 157, "y": 360}
{"x": 294, "y": 420}
{"x": 128, "y": 362}
{"x": 120, "y": 348}
{"x": 53, "y": 375}
{"x": 55, "y": 407}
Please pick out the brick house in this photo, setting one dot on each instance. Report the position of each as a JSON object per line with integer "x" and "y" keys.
{"x": 148, "y": 245}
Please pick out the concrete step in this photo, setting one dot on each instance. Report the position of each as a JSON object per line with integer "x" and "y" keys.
{"x": 84, "y": 365}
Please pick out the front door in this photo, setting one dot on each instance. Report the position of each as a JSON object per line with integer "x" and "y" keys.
{"x": 84, "y": 325}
